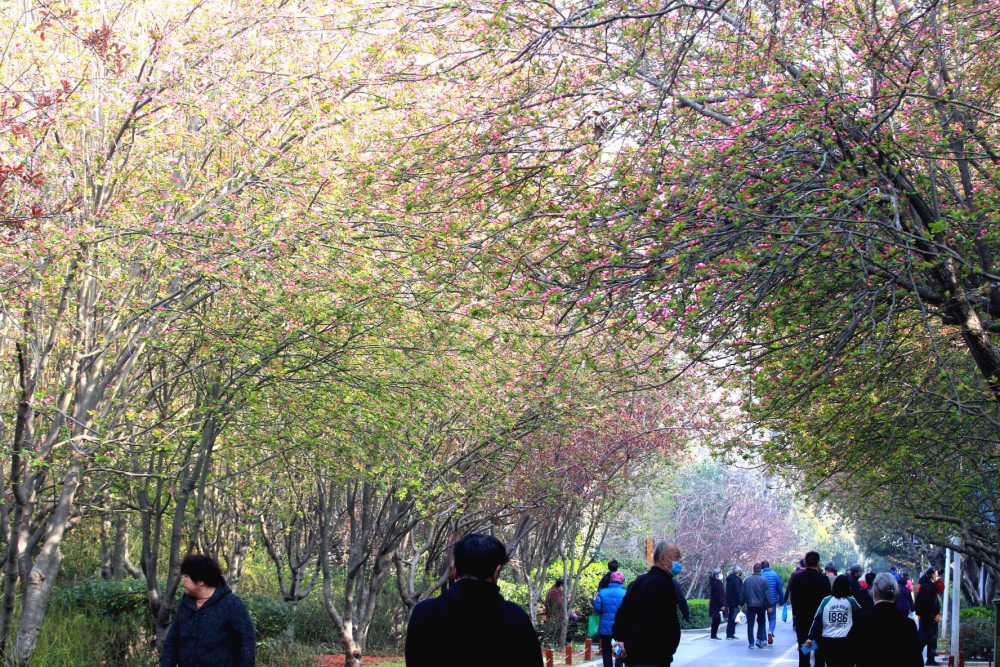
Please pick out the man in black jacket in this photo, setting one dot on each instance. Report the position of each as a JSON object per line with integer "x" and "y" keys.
{"x": 468, "y": 621}
{"x": 881, "y": 636}
{"x": 807, "y": 589}
{"x": 734, "y": 599}
{"x": 646, "y": 623}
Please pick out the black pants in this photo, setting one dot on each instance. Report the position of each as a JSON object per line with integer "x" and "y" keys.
{"x": 734, "y": 611}
{"x": 758, "y": 615}
{"x": 928, "y": 631}
{"x": 716, "y": 622}
{"x": 606, "y": 652}
{"x": 832, "y": 651}
{"x": 801, "y": 635}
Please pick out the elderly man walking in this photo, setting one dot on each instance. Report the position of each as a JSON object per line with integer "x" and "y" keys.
{"x": 734, "y": 599}
{"x": 807, "y": 590}
{"x": 646, "y": 624}
{"x": 881, "y": 636}
{"x": 757, "y": 594}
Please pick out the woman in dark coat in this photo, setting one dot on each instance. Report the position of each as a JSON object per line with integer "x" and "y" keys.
{"x": 904, "y": 599}
{"x": 211, "y": 626}
{"x": 928, "y": 608}
{"x": 716, "y": 601}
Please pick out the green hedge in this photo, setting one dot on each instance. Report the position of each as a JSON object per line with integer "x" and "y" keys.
{"x": 125, "y": 601}
{"x": 699, "y": 615}
{"x": 976, "y": 628}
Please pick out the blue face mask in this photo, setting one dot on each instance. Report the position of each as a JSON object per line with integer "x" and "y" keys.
{"x": 676, "y": 569}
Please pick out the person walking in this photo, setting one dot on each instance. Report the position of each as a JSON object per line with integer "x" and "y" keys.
{"x": 858, "y": 592}
{"x": 879, "y": 636}
{"x": 646, "y": 624}
{"x": 807, "y": 590}
{"x": 928, "y": 608}
{"x": 831, "y": 572}
{"x": 555, "y": 612}
{"x": 450, "y": 630}
{"x": 606, "y": 579}
{"x": 831, "y": 625}
{"x": 774, "y": 585}
{"x": 757, "y": 594}
{"x": 211, "y": 626}
{"x": 734, "y": 599}
{"x": 607, "y": 602}
{"x": 904, "y": 598}
{"x": 716, "y": 601}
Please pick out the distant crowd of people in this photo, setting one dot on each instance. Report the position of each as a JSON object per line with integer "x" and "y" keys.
{"x": 840, "y": 620}
{"x": 847, "y": 620}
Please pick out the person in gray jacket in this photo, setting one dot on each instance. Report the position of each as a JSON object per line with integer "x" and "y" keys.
{"x": 757, "y": 593}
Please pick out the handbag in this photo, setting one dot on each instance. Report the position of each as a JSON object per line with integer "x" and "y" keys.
{"x": 784, "y": 614}
{"x": 741, "y": 618}
{"x": 593, "y": 625}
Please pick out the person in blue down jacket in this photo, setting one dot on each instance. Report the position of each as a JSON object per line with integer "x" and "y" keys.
{"x": 211, "y": 626}
{"x": 774, "y": 583}
{"x": 606, "y": 604}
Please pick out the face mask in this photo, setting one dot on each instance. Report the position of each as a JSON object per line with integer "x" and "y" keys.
{"x": 676, "y": 569}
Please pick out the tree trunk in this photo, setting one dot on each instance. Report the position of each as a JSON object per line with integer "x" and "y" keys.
{"x": 38, "y": 588}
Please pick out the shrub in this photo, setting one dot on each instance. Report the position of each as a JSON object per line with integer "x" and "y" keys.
{"x": 75, "y": 638}
{"x": 976, "y": 612}
{"x": 270, "y": 617}
{"x": 116, "y": 599}
{"x": 976, "y": 628}
{"x": 312, "y": 622}
{"x": 699, "y": 615}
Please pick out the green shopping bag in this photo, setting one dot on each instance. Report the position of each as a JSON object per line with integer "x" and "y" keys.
{"x": 593, "y": 625}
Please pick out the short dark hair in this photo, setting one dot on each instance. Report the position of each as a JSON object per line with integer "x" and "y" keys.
{"x": 856, "y": 571}
{"x": 559, "y": 582}
{"x": 612, "y": 565}
{"x": 811, "y": 559}
{"x": 869, "y": 578}
{"x": 765, "y": 564}
{"x": 831, "y": 568}
{"x": 757, "y": 567}
{"x": 841, "y": 586}
{"x": 202, "y": 569}
{"x": 478, "y": 556}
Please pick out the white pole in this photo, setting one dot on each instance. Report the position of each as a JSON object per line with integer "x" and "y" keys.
{"x": 947, "y": 582}
{"x": 956, "y": 596}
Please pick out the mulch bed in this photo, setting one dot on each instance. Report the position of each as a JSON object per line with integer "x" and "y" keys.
{"x": 339, "y": 660}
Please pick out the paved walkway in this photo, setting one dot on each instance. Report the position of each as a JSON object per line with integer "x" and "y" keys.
{"x": 697, "y": 650}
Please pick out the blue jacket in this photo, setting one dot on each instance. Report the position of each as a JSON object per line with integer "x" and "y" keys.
{"x": 606, "y": 603}
{"x": 774, "y": 583}
{"x": 218, "y": 634}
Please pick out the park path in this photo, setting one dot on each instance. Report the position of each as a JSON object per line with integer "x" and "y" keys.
{"x": 697, "y": 650}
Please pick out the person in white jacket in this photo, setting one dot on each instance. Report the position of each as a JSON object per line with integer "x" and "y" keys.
{"x": 834, "y": 620}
